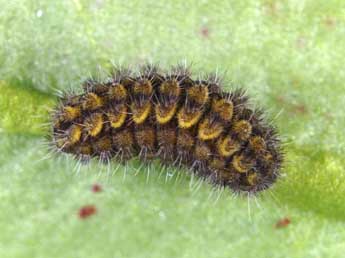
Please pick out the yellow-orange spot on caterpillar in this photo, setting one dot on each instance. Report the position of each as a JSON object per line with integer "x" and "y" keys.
{"x": 93, "y": 124}
{"x": 257, "y": 144}
{"x": 165, "y": 114}
{"x": 117, "y": 117}
{"x": 252, "y": 179}
{"x": 227, "y": 146}
{"x": 170, "y": 88}
{"x": 117, "y": 92}
{"x": 198, "y": 93}
{"x": 144, "y": 87}
{"x": 241, "y": 163}
{"x": 208, "y": 130}
{"x": 74, "y": 134}
{"x": 70, "y": 113}
{"x": 92, "y": 101}
{"x": 188, "y": 119}
{"x": 224, "y": 108}
{"x": 140, "y": 113}
{"x": 242, "y": 129}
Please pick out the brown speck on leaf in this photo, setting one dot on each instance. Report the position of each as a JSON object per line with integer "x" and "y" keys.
{"x": 282, "y": 223}
{"x": 96, "y": 188}
{"x": 330, "y": 22}
{"x": 204, "y": 31}
{"x": 87, "y": 211}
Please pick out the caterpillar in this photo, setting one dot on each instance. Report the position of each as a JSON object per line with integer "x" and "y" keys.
{"x": 183, "y": 122}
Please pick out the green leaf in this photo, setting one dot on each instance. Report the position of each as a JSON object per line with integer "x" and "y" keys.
{"x": 287, "y": 54}
{"x": 24, "y": 110}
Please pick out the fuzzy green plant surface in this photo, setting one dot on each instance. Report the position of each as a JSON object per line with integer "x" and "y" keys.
{"x": 288, "y": 54}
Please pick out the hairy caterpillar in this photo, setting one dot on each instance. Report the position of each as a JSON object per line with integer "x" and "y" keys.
{"x": 182, "y": 121}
